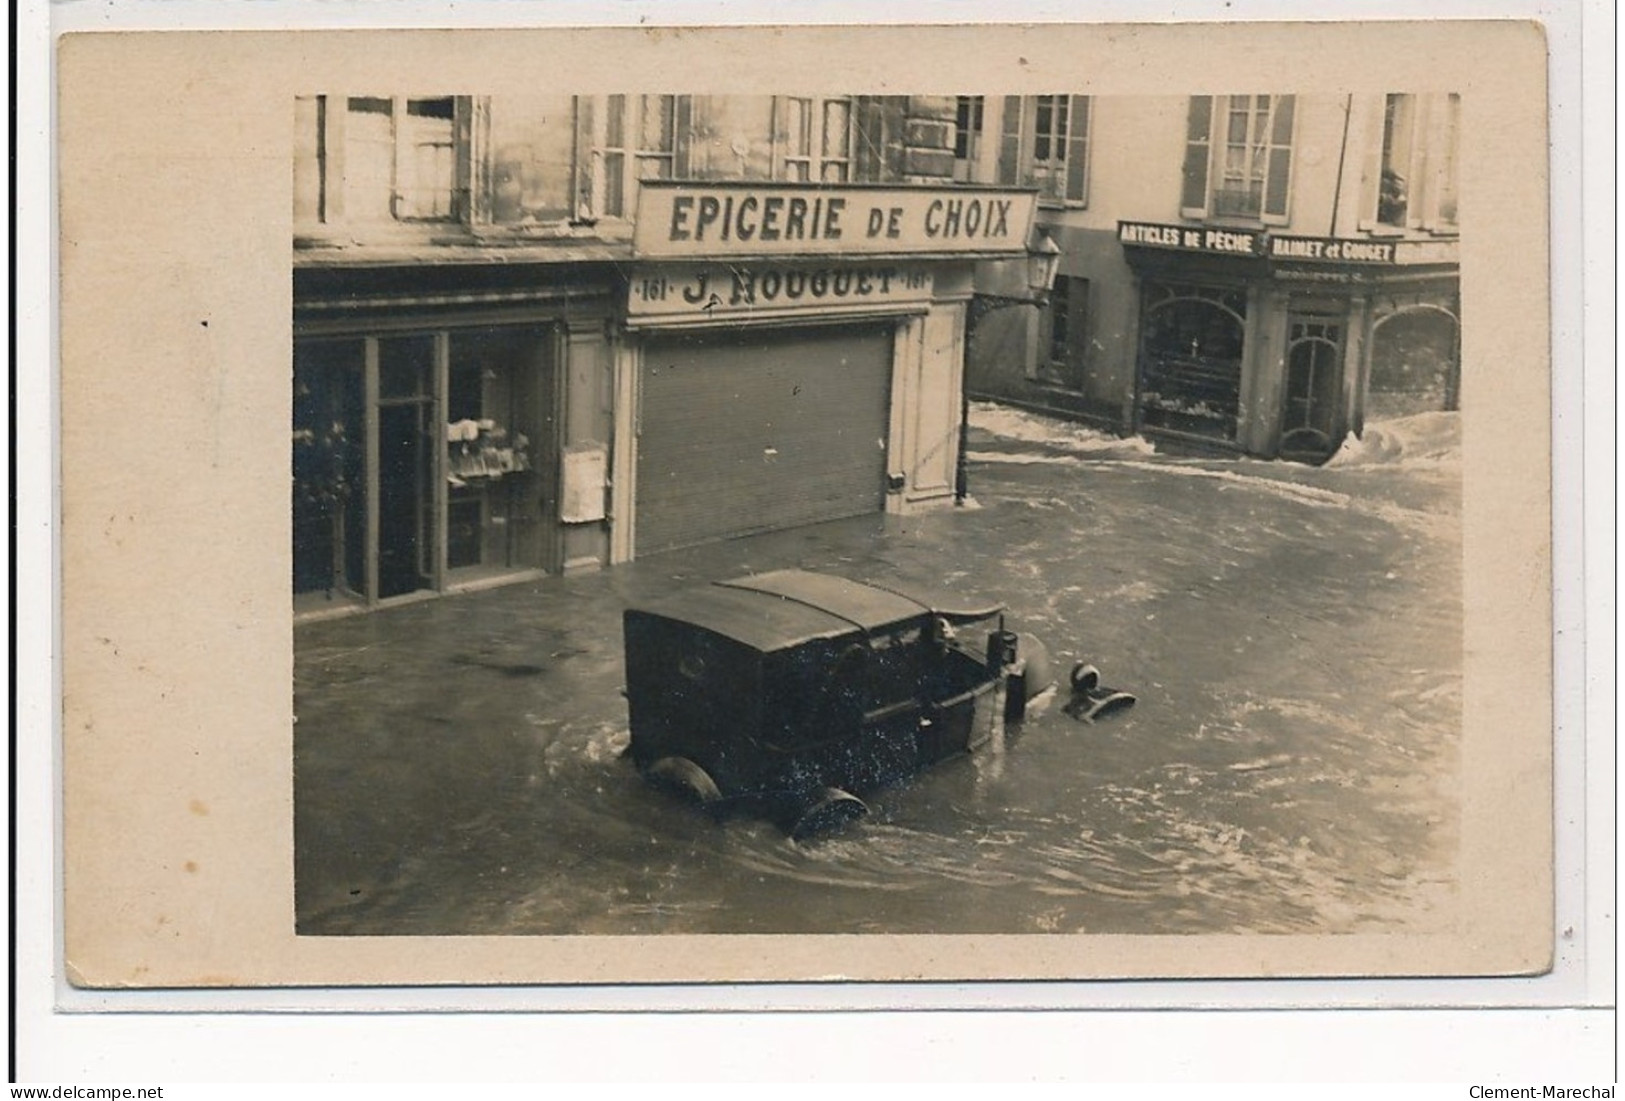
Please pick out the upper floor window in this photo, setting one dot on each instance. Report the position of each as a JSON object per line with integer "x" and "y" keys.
{"x": 967, "y": 138}
{"x": 634, "y": 138}
{"x": 1413, "y": 183}
{"x": 1044, "y": 143}
{"x": 381, "y": 159}
{"x": 400, "y": 158}
{"x": 813, "y": 138}
{"x": 1238, "y": 157}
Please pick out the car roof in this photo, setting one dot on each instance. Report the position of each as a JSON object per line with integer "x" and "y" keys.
{"x": 784, "y": 608}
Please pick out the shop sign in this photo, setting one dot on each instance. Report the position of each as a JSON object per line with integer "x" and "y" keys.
{"x": 1332, "y": 250}
{"x": 1209, "y": 239}
{"x": 1443, "y": 251}
{"x": 689, "y": 220}
{"x": 694, "y": 293}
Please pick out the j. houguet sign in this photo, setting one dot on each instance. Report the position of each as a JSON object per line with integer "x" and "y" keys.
{"x": 688, "y": 292}
{"x": 679, "y": 220}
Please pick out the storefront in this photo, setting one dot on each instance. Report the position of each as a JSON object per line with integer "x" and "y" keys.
{"x": 431, "y": 412}
{"x": 1275, "y": 345}
{"x": 794, "y": 354}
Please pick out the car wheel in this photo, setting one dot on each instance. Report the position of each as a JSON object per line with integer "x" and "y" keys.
{"x": 832, "y": 810}
{"x": 683, "y": 776}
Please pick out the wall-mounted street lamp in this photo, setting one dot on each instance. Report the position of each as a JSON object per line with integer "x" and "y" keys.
{"x": 1043, "y": 261}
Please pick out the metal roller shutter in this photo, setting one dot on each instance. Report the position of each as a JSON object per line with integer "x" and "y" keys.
{"x": 760, "y": 430}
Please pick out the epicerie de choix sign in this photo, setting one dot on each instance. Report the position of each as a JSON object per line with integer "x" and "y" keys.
{"x": 681, "y": 220}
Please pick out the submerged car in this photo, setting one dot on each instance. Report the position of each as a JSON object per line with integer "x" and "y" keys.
{"x": 790, "y": 694}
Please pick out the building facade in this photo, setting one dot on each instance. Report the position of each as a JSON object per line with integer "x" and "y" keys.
{"x": 541, "y": 333}
{"x": 1255, "y": 274}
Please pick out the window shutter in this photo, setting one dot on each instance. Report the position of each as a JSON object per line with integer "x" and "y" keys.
{"x": 1010, "y": 142}
{"x": 1280, "y": 162}
{"x": 582, "y": 203}
{"x": 1077, "y": 151}
{"x": 1198, "y": 136}
{"x": 682, "y": 136}
{"x": 471, "y": 199}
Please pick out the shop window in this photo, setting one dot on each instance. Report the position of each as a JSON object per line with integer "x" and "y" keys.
{"x": 1192, "y": 344}
{"x": 1412, "y": 184}
{"x": 419, "y": 459}
{"x": 381, "y": 159}
{"x": 1238, "y": 157}
{"x": 967, "y": 138}
{"x": 813, "y": 138}
{"x": 1044, "y": 143}
{"x": 329, "y": 486}
{"x": 635, "y": 138}
{"x": 494, "y": 418}
{"x": 1415, "y": 364}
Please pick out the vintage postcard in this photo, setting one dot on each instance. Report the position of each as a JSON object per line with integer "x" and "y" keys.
{"x": 818, "y": 503}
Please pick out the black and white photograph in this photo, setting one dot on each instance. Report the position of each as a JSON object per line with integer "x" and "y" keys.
{"x": 792, "y": 505}
{"x": 787, "y": 513}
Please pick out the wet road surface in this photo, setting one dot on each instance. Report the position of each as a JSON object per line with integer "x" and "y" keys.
{"x": 1293, "y": 635}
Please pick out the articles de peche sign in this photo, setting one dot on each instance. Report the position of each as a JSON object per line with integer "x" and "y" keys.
{"x": 685, "y": 220}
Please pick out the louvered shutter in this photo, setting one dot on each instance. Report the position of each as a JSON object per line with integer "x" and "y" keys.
{"x": 1010, "y": 157}
{"x": 1198, "y": 139}
{"x": 1077, "y": 151}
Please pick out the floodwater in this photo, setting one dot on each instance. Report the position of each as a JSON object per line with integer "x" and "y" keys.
{"x": 1293, "y": 635}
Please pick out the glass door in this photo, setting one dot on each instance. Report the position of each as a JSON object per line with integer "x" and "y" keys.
{"x": 1314, "y": 368}
{"x": 404, "y": 441}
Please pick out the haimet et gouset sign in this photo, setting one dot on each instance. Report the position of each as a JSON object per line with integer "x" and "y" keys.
{"x": 682, "y": 220}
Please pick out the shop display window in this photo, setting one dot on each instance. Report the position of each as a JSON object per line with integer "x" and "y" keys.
{"x": 494, "y": 411}
{"x": 329, "y": 484}
{"x": 1191, "y": 351}
{"x": 414, "y": 462}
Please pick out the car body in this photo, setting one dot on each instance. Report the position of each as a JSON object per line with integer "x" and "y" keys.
{"x": 788, "y": 693}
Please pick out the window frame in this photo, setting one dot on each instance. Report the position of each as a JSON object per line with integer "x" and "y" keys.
{"x": 970, "y": 114}
{"x": 1019, "y": 140}
{"x": 617, "y": 151}
{"x": 1431, "y": 157}
{"x": 1207, "y": 150}
{"x": 332, "y": 201}
{"x": 813, "y": 151}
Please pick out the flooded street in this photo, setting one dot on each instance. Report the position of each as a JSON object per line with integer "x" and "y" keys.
{"x": 1293, "y": 635}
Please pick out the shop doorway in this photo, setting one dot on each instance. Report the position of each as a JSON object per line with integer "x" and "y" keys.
{"x": 1314, "y": 370}
{"x": 406, "y": 466}
{"x": 760, "y": 430}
